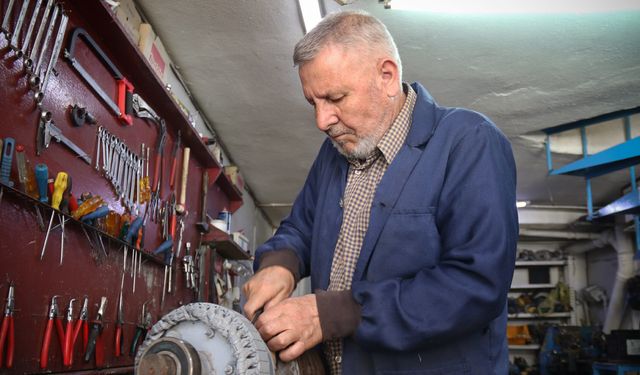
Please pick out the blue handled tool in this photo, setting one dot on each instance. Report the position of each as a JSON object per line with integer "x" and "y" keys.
{"x": 42, "y": 178}
{"x": 100, "y": 212}
{"x": 133, "y": 230}
{"x": 7, "y": 159}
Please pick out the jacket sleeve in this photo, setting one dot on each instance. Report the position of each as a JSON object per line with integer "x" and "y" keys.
{"x": 478, "y": 226}
{"x": 295, "y": 231}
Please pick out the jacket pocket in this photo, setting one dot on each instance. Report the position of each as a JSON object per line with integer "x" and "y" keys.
{"x": 408, "y": 242}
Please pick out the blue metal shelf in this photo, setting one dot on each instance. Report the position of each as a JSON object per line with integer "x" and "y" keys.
{"x": 629, "y": 204}
{"x": 618, "y": 157}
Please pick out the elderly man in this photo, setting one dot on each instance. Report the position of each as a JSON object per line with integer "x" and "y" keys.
{"x": 406, "y": 223}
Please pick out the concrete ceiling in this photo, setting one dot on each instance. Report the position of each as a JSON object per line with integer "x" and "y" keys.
{"x": 527, "y": 72}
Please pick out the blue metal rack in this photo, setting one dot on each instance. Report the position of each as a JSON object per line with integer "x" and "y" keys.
{"x": 623, "y": 155}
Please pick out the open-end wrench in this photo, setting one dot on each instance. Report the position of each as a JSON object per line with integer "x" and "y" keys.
{"x": 53, "y": 59}
{"x": 27, "y": 36}
{"x": 105, "y": 153}
{"x": 18, "y": 27}
{"x": 113, "y": 160}
{"x": 98, "y": 144}
{"x": 45, "y": 43}
{"x": 7, "y": 19}
{"x": 33, "y": 53}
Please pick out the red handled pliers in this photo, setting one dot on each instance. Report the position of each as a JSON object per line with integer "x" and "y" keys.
{"x": 53, "y": 316}
{"x": 7, "y": 330}
{"x": 82, "y": 322}
{"x": 67, "y": 349}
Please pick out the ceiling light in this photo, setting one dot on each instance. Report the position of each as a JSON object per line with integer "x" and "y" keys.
{"x": 311, "y": 16}
{"x": 521, "y": 204}
{"x": 515, "y": 7}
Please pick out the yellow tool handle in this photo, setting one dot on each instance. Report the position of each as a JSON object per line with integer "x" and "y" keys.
{"x": 59, "y": 186}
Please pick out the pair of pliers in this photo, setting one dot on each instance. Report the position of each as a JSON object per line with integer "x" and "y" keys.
{"x": 67, "y": 349}
{"x": 96, "y": 341}
{"x": 52, "y": 318}
{"x": 141, "y": 330}
{"x": 119, "y": 340}
{"x": 83, "y": 322}
{"x": 7, "y": 331}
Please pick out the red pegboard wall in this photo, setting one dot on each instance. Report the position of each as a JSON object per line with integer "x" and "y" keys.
{"x": 80, "y": 274}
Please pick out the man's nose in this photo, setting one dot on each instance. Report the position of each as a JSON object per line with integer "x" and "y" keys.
{"x": 325, "y": 116}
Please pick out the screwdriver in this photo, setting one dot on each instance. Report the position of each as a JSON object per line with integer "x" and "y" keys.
{"x": 59, "y": 186}
{"x": 88, "y": 206}
{"x": 42, "y": 176}
{"x": 25, "y": 174}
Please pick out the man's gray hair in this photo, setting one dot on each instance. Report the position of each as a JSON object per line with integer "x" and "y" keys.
{"x": 348, "y": 29}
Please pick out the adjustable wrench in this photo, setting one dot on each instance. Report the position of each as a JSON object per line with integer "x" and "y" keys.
{"x": 27, "y": 36}
{"x": 16, "y": 30}
{"x": 7, "y": 19}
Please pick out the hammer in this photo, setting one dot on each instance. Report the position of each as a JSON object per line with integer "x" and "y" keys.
{"x": 203, "y": 224}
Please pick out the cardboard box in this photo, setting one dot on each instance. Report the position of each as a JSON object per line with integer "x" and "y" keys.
{"x": 234, "y": 175}
{"x": 153, "y": 50}
{"x": 129, "y": 17}
{"x": 147, "y": 36}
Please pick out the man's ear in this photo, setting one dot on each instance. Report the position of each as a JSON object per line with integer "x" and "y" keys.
{"x": 389, "y": 76}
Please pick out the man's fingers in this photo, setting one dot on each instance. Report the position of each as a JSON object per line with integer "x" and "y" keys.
{"x": 292, "y": 352}
{"x": 281, "y": 341}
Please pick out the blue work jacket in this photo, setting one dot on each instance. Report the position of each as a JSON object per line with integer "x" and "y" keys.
{"x": 437, "y": 259}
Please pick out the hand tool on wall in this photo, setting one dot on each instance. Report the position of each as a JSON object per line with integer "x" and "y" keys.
{"x": 181, "y": 232}
{"x": 13, "y": 43}
{"x": 34, "y": 79}
{"x": 180, "y": 208}
{"x": 48, "y": 130}
{"x": 42, "y": 176}
{"x": 203, "y": 224}
{"x": 27, "y": 36}
{"x": 67, "y": 349}
{"x": 125, "y": 88}
{"x": 95, "y": 345}
{"x": 142, "y": 110}
{"x": 83, "y": 323}
{"x": 26, "y": 175}
{"x": 88, "y": 206}
{"x": 174, "y": 160}
{"x": 53, "y": 58}
{"x": 101, "y": 211}
{"x": 80, "y": 116}
{"x": 7, "y": 331}
{"x": 59, "y": 187}
{"x": 7, "y": 19}
{"x": 34, "y": 51}
{"x": 52, "y": 319}
{"x": 166, "y": 249}
{"x": 119, "y": 340}
{"x": 7, "y": 161}
{"x": 141, "y": 330}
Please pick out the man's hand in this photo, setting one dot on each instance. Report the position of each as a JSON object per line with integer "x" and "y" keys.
{"x": 291, "y": 327}
{"x": 266, "y": 288}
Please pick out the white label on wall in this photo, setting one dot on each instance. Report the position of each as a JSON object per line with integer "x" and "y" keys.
{"x": 633, "y": 347}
